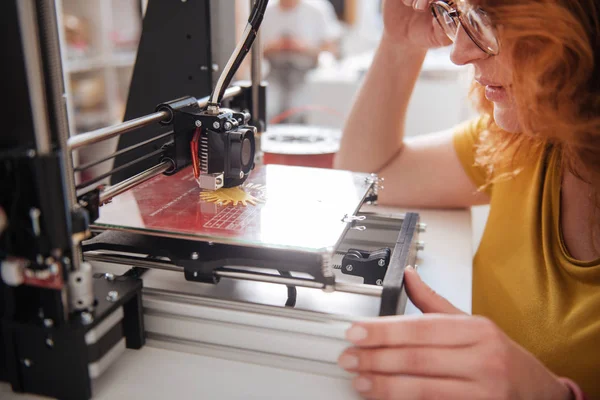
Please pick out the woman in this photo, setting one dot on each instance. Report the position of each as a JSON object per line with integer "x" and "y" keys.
{"x": 534, "y": 156}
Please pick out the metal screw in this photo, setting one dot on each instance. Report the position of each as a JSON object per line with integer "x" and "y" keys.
{"x": 198, "y": 124}
{"x": 228, "y": 126}
{"x": 195, "y": 256}
{"x": 195, "y": 274}
{"x": 349, "y": 268}
{"x": 381, "y": 263}
{"x": 421, "y": 227}
{"x": 31, "y": 153}
{"x": 86, "y": 318}
{"x": 379, "y": 282}
{"x": 216, "y": 125}
{"x": 241, "y": 174}
{"x": 54, "y": 269}
{"x": 27, "y": 362}
{"x": 48, "y": 323}
{"x": 67, "y": 261}
{"x": 109, "y": 277}
{"x": 112, "y": 296}
{"x": 49, "y": 342}
{"x": 34, "y": 214}
{"x": 420, "y": 246}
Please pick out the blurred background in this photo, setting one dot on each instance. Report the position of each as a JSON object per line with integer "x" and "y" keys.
{"x": 101, "y": 38}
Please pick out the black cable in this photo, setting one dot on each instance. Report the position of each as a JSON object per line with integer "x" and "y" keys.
{"x": 119, "y": 168}
{"x": 120, "y": 152}
{"x": 254, "y": 21}
{"x": 291, "y": 290}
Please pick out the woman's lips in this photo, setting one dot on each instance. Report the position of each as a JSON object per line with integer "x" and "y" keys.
{"x": 493, "y": 90}
{"x": 496, "y": 94}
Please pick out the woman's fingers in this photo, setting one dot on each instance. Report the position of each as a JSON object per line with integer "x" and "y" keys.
{"x": 416, "y": 4}
{"x": 424, "y": 297}
{"x": 436, "y": 330}
{"x": 410, "y": 387}
{"x": 458, "y": 363}
{"x": 421, "y": 5}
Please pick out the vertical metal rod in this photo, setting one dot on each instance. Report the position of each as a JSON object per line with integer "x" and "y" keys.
{"x": 49, "y": 28}
{"x": 56, "y": 92}
{"x": 256, "y": 73}
{"x": 33, "y": 65}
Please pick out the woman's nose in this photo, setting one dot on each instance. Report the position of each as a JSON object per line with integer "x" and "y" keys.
{"x": 464, "y": 50}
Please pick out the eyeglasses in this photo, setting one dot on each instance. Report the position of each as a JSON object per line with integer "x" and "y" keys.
{"x": 474, "y": 20}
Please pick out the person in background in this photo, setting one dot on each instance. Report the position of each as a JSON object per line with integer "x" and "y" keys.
{"x": 294, "y": 34}
{"x": 533, "y": 155}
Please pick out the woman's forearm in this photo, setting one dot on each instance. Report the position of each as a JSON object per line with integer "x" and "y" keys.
{"x": 374, "y": 131}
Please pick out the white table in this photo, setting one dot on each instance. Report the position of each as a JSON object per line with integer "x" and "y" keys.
{"x": 154, "y": 373}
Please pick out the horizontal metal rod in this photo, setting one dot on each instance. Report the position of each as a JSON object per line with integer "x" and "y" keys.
{"x": 259, "y": 277}
{"x": 100, "y": 177}
{"x": 368, "y": 290}
{"x": 127, "y": 184}
{"x": 122, "y": 151}
{"x": 359, "y": 288}
{"x": 126, "y": 260}
{"x": 99, "y": 135}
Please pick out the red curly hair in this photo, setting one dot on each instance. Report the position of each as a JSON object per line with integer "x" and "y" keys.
{"x": 554, "y": 47}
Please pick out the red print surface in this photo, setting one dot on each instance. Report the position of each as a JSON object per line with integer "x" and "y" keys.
{"x": 295, "y": 207}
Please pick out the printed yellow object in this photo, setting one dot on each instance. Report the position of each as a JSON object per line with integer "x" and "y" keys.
{"x": 233, "y": 196}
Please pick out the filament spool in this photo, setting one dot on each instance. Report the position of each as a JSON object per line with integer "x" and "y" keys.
{"x": 300, "y": 145}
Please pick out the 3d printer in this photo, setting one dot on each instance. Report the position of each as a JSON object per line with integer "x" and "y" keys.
{"x": 174, "y": 204}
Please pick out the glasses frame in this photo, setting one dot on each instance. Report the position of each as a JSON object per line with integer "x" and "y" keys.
{"x": 454, "y": 13}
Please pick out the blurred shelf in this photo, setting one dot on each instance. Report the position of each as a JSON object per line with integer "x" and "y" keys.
{"x": 84, "y": 64}
{"x": 123, "y": 58}
{"x": 117, "y": 59}
{"x": 90, "y": 120}
{"x": 99, "y": 39}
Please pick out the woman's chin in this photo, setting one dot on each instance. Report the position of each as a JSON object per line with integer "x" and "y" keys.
{"x": 506, "y": 118}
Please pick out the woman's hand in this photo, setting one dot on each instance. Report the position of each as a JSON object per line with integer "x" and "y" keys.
{"x": 410, "y": 22}
{"x": 448, "y": 355}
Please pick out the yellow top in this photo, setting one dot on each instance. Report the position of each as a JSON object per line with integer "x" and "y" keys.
{"x": 523, "y": 276}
